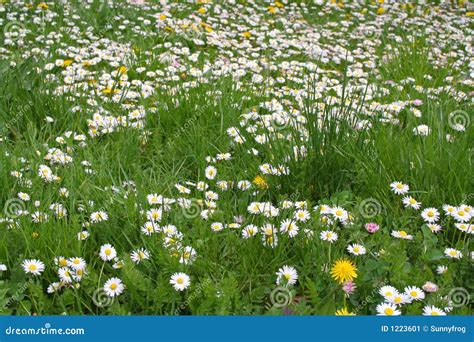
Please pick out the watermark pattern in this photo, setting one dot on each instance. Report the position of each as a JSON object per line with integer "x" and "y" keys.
{"x": 101, "y": 299}
{"x": 189, "y": 123}
{"x": 193, "y": 210}
{"x": 13, "y": 30}
{"x": 197, "y": 293}
{"x": 13, "y": 207}
{"x": 8, "y": 125}
{"x": 46, "y": 330}
{"x": 370, "y": 208}
{"x": 16, "y": 296}
{"x": 281, "y": 296}
{"x": 369, "y": 299}
{"x": 459, "y": 120}
{"x": 459, "y": 296}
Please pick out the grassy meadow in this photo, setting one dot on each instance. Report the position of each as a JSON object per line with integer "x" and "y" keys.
{"x": 236, "y": 157}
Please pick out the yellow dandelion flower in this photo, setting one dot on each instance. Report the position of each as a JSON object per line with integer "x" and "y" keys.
{"x": 202, "y": 10}
{"x": 43, "y": 5}
{"x": 344, "y": 270}
{"x": 246, "y": 34}
{"x": 344, "y": 312}
{"x": 67, "y": 62}
{"x": 271, "y": 9}
{"x": 260, "y": 182}
{"x": 122, "y": 70}
{"x": 470, "y": 14}
{"x": 380, "y": 10}
{"x": 162, "y": 17}
{"x": 279, "y": 4}
{"x": 110, "y": 91}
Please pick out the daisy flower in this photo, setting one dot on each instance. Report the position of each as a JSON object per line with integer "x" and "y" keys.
{"x": 449, "y": 209}
{"x": 217, "y": 226}
{"x": 328, "y": 235}
{"x": 154, "y": 199}
{"x": 65, "y": 274}
{"x": 453, "y": 253}
{"x": 33, "y": 266}
{"x": 356, "y": 249}
{"x": 430, "y": 287}
{"x": 442, "y": 269}
{"x": 388, "y": 292}
{"x": 249, "y": 231}
{"x": 149, "y": 228}
{"x": 414, "y": 293}
{"x": 399, "y": 299}
{"x": 468, "y": 209}
{"x": 139, "y": 255}
{"x": 24, "y": 196}
{"x": 372, "y": 227}
{"x": 288, "y": 226}
{"x": 83, "y": 235}
{"x": 411, "y": 202}
{"x": 154, "y": 215}
{"x": 210, "y": 172}
{"x": 54, "y": 287}
{"x": 399, "y": 188}
{"x": 107, "y": 252}
{"x": 349, "y": 287}
{"x": 386, "y": 309}
{"x": 431, "y": 310}
{"x": 430, "y": 215}
{"x": 339, "y": 213}
{"x": 464, "y": 227}
{"x": 287, "y": 275}
{"x": 461, "y": 215}
{"x": 188, "y": 255}
{"x": 302, "y": 215}
{"x": 180, "y": 281}
{"x": 113, "y": 287}
{"x": 401, "y": 234}
{"x": 76, "y": 263}
{"x": 435, "y": 228}
{"x": 99, "y": 216}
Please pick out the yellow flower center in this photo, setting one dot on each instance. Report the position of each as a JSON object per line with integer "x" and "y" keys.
{"x": 113, "y": 286}
{"x": 32, "y": 267}
{"x": 388, "y": 311}
{"x": 180, "y": 281}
